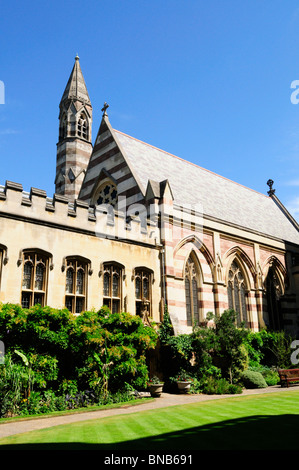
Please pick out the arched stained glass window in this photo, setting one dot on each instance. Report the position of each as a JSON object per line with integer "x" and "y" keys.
{"x": 192, "y": 293}
{"x": 236, "y": 292}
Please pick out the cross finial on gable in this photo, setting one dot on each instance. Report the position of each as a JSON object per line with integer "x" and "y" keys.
{"x": 104, "y": 109}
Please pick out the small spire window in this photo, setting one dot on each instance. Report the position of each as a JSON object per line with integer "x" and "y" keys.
{"x": 82, "y": 126}
{"x": 63, "y": 128}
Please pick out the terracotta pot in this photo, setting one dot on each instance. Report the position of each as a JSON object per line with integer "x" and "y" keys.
{"x": 183, "y": 386}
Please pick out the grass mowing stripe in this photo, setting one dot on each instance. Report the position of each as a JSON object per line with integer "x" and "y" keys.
{"x": 255, "y": 422}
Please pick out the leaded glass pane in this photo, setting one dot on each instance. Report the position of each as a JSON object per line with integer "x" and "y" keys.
{"x": 236, "y": 295}
{"x": 115, "y": 285}
{"x": 188, "y": 302}
{"x": 26, "y": 298}
{"x": 39, "y": 277}
{"x": 236, "y": 292}
{"x": 69, "y": 303}
{"x": 230, "y": 296}
{"x": 80, "y": 282}
{"x": 145, "y": 288}
{"x": 38, "y": 299}
{"x": 79, "y": 304}
{"x": 243, "y": 302}
{"x": 69, "y": 281}
{"x": 138, "y": 288}
{"x": 115, "y": 306}
{"x": 195, "y": 301}
{"x": 27, "y": 274}
{"x": 106, "y": 284}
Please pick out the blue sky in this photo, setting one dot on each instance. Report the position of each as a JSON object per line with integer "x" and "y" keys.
{"x": 209, "y": 81}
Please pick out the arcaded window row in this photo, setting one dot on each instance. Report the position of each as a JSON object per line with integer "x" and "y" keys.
{"x": 35, "y": 274}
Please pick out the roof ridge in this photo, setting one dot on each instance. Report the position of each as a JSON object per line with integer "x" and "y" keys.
{"x": 191, "y": 163}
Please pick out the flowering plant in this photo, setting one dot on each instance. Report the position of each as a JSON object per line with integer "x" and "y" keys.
{"x": 183, "y": 376}
{"x": 154, "y": 380}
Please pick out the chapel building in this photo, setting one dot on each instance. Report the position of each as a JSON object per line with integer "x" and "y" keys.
{"x": 135, "y": 228}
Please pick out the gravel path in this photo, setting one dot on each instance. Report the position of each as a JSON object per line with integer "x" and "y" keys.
{"x": 25, "y": 425}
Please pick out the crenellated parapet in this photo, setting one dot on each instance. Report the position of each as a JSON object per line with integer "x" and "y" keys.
{"x": 101, "y": 221}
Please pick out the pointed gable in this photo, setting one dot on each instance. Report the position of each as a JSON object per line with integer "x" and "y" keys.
{"x": 108, "y": 162}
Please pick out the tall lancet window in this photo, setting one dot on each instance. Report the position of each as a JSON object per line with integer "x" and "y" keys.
{"x": 63, "y": 128}
{"x": 273, "y": 296}
{"x": 192, "y": 292}
{"x": 82, "y": 126}
{"x": 236, "y": 292}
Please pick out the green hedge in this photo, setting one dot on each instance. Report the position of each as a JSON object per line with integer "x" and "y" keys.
{"x": 51, "y": 350}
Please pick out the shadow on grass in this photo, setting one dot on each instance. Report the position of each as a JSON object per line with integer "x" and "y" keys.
{"x": 249, "y": 433}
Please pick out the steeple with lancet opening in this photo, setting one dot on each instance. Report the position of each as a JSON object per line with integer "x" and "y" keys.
{"x": 74, "y": 146}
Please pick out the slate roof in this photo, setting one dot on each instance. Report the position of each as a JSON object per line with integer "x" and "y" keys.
{"x": 220, "y": 197}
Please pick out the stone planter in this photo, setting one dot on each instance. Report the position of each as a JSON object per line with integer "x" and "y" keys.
{"x": 156, "y": 389}
{"x": 184, "y": 386}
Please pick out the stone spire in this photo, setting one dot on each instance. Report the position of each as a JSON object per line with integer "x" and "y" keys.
{"x": 74, "y": 146}
{"x": 76, "y": 87}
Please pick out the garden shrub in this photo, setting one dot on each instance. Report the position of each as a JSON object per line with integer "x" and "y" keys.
{"x": 253, "y": 379}
{"x": 111, "y": 349}
{"x": 220, "y": 386}
{"x": 269, "y": 348}
{"x": 270, "y": 375}
{"x": 56, "y": 360}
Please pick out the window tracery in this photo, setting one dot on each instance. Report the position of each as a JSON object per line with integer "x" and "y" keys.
{"x": 34, "y": 279}
{"x": 112, "y": 287}
{"x": 143, "y": 282}
{"x": 82, "y": 127}
{"x": 236, "y": 292}
{"x": 107, "y": 195}
{"x": 192, "y": 292}
{"x": 75, "y": 287}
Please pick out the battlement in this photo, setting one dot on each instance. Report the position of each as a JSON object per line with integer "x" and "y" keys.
{"x": 101, "y": 221}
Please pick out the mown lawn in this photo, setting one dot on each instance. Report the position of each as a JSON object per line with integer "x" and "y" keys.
{"x": 261, "y": 422}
